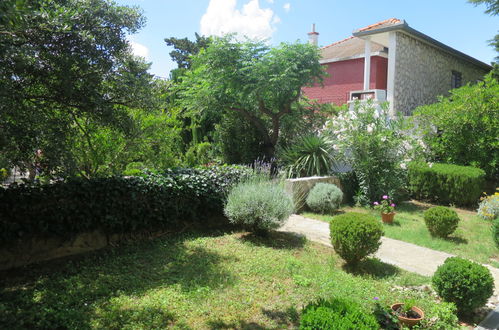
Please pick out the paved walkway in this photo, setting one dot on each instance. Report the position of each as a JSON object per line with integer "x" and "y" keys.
{"x": 407, "y": 256}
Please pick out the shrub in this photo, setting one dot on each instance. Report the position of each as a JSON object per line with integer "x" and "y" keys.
{"x": 463, "y": 282}
{"x": 489, "y": 207}
{"x": 441, "y": 221}
{"x": 116, "y": 204}
{"x": 310, "y": 155}
{"x": 495, "y": 231}
{"x": 324, "y": 198}
{"x": 463, "y": 128}
{"x": 375, "y": 146}
{"x": 337, "y": 314}
{"x": 355, "y": 235}
{"x": 446, "y": 183}
{"x": 258, "y": 206}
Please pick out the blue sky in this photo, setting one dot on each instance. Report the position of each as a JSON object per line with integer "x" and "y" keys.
{"x": 453, "y": 22}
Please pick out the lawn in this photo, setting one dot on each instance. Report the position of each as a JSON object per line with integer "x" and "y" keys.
{"x": 193, "y": 281}
{"x": 472, "y": 239}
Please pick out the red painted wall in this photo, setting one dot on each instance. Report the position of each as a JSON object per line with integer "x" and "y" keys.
{"x": 347, "y": 76}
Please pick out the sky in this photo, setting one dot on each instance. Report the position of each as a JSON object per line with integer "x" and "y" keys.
{"x": 455, "y": 23}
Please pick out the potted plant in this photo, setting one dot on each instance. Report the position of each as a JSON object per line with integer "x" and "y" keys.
{"x": 408, "y": 314}
{"x": 387, "y": 208}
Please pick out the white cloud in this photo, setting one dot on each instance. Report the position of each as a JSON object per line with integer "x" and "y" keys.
{"x": 270, "y": 1}
{"x": 139, "y": 49}
{"x": 287, "y": 7}
{"x": 252, "y": 21}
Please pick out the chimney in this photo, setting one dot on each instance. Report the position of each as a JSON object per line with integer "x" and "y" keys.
{"x": 313, "y": 37}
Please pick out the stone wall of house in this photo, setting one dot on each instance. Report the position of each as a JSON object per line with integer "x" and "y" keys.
{"x": 422, "y": 72}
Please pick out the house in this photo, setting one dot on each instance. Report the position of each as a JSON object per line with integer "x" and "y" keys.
{"x": 390, "y": 61}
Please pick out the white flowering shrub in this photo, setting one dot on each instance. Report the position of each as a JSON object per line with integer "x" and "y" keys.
{"x": 376, "y": 146}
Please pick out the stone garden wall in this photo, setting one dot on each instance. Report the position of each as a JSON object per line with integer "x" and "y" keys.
{"x": 422, "y": 72}
{"x": 299, "y": 188}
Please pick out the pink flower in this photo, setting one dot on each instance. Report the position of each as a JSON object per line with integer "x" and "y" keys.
{"x": 392, "y": 205}
{"x": 385, "y": 196}
{"x": 376, "y": 203}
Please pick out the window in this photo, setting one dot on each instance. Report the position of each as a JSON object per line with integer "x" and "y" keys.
{"x": 457, "y": 79}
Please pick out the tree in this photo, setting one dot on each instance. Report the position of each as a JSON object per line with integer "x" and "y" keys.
{"x": 262, "y": 85}
{"x": 492, "y": 9}
{"x": 63, "y": 63}
{"x": 463, "y": 128}
{"x": 184, "y": 49}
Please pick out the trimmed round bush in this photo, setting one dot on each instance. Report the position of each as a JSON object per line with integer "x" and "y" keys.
{"x": 258, "y": 206}
{"x": 336, "y": 314}
{"x": 355, "y": 235}
{"x": 441, "y": 221}
{"x": 495, "y": 231}
{"x": 465, "y": 283}
{"x": 324, "y": 198}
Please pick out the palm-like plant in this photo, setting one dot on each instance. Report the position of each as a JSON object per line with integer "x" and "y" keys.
{"x": 310, "y": 155}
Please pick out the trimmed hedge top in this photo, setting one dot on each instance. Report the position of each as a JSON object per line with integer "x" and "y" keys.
{"x": 116, "y": 204}
{"x": 446, "y": 183}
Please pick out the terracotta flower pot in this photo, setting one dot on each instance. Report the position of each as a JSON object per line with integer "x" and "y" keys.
{"x": 387, "y": 217}
{"x": 409, "y": 322}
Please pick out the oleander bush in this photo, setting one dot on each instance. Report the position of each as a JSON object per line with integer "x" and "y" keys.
{"x": 339, "y": 314}
{"x": 324, "y": 198}
{"x": 441, "y": 221}
{"x": 355, "y": 235}
{"x": 258, "y": 205}
{"x": 465, "y": 283}
{"x": 116, "y": 204}
{"x": 446, "y": 183}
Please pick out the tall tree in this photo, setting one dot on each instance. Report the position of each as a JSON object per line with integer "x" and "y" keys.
{"x": 183, "y": 50}
{"x": 62, "y": 62}
{"x": 262, "y": 85}
{"x": 492, "y": 9}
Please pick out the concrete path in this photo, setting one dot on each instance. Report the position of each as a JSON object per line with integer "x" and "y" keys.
{"x": 407, "y": 256}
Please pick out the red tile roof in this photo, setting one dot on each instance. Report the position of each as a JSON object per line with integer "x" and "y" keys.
{"x": 380, "y": 25}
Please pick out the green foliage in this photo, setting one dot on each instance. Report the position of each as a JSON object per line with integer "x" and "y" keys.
{"x": 199, "y": 154}
{"x": 355, "y": 235}
{"x": 446, "y": 183}
{"x": 259, "y": 206}
{"x": 463, "y": 282}
{"x": 64, "y": 63}
{"x": 337, "y": 314}
{"x": 4, "y": 174}
{"x": 116, "y": 204}
{"x": 463, "y": 128}
{"x": 324, "y": 198}
{"x": 495, "y": 231}
{"x": 260, "y": 84}
{"x": 310, "y": 155}
{"x": 184, "y": 49}
{"x": 238, "y": 141}
{"x": 489, "y": 207}
{"x": 441, "y": 221}
{"x": 377, "y": 148}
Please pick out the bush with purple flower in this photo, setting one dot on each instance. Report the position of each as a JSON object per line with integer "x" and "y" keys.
{"x": 385, "y": 206}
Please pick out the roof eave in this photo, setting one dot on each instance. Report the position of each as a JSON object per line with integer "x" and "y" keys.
{"x": 404, "y": 27}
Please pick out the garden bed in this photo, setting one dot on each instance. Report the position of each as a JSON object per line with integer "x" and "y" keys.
{"x": 231, "y": 280}
{"x": 472, "y": 239}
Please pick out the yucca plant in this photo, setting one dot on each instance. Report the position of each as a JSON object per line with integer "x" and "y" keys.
{"x": 310, "y": 155}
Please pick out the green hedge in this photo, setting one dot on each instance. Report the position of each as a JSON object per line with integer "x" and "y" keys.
{"x": 116, "y": 204}
{"x": 446, "y": 183}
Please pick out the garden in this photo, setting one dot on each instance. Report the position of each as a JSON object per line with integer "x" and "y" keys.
{"x": 158, "y": 203}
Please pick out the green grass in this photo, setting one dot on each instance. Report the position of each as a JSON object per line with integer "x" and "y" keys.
{"x": 472, "y": 239}
{"x": 218, "y": 281}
